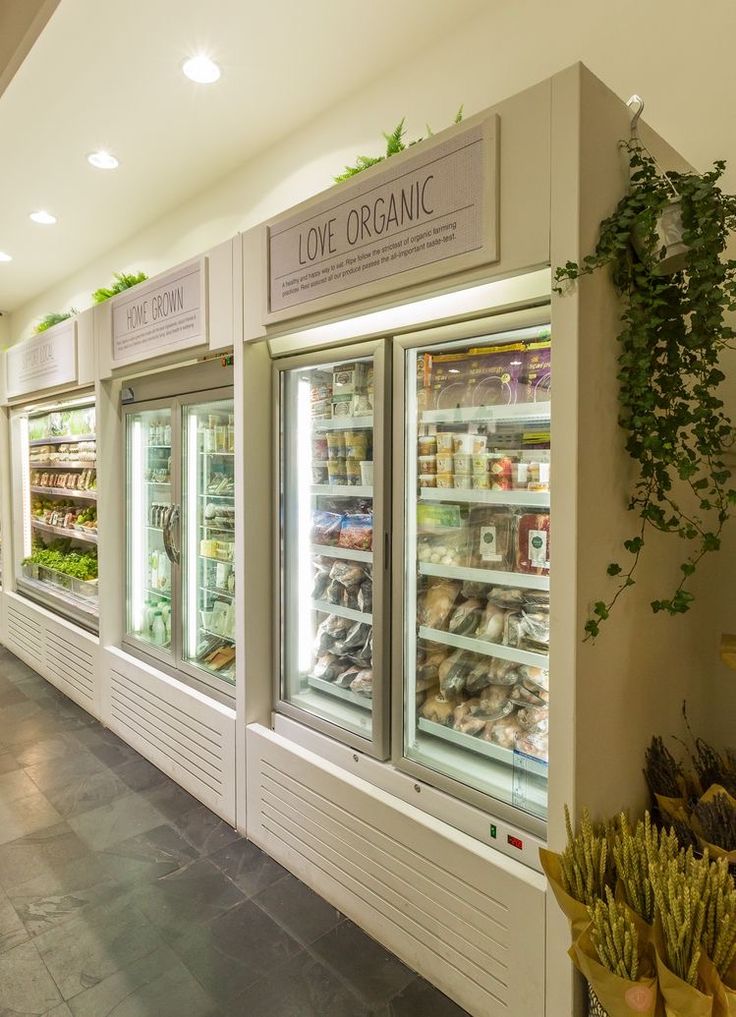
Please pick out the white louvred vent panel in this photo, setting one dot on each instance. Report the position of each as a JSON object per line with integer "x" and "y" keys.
{"x": 70, "y": 666}
{"x": 470, "y": 924}
{"x": 25, "y": 637}
{"x": 193, "y": 742}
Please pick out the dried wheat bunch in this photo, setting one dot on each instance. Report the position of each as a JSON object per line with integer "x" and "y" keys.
{"x": 719, "y": 933}
{"x": 679, "y": 893}
{"x": 615, "y": 937}
{"x": 585, "y": 862}
{"x": 634, "y": 852}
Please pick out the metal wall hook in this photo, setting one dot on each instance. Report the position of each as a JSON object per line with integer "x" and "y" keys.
{"x": 635, "y": 100}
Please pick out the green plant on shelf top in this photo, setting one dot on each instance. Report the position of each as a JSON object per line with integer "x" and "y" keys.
{"x": 53, "y": 318}
{"x": 121, "y": 281}
{"x": 673, "y": 330}
{"x": 394, "y": 144}
{"x": 59, "y": 557}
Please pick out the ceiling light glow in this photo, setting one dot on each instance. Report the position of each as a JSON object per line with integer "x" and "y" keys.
{"x": 45, "y": 218}
{"x": 102, "y": 160}
{"x": 5, "y": 257}
{"x": 201, "y": 69}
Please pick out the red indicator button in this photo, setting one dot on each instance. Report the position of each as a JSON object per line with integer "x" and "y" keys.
{"x": 516, "y": 842}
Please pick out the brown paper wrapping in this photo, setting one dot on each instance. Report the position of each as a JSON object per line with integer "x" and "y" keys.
{"x": 575, "y": 912}
{"x": 680, "y": 998}
{"x": 724, "y": 1000}
{"x": 675, "y": 808}
{"x": 618, "y": 996}
{"x": 713, "y": 849}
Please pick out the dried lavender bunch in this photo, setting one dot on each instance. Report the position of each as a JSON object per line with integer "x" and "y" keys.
{"x": 717, "y": 819}
{"x": 719, "y": 933}
{"x": 662, "y": 771}
{"x": 685, "y": 836}
{"x": 634, "y": 852}
{"x": 679, "y": 893}
{"x": 710, "y": 766}
{"x": 615, "y": 937}
{"x": 585, "y": 862}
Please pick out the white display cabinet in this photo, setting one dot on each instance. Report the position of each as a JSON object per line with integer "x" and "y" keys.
{"x": 463, "y": 792}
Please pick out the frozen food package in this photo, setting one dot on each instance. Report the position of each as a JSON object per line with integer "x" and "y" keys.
{"x": 536, "y": 631}
{"x": 335, "y": 593}
{"x": 494, "y": 702}
{"x": 536, "y": 600}
{"x": 320, "y": 584}
{"x": 503, "y": 732}
{"x": 533, "y": 718}
{"x": 528, "y": 693}
{"x": 533, "y": 543}
{"x": 347, "y": 573}
{"x": 533, "y": 744}
{"x": 491, "y": 624}
{"x": 435, "y": 604}
{"x": 326, "y": 527}
{"x": 469, "y": 723}
{"x": 363, "y": 654}
{"x": 536, "y": 675}
{"x": 473, "y": 589}
{"x": 357, "y": 532}
{"x": 438, "y": 708}
{"x": 513, "y": 628}
{"x": 429, "y": 658}
{"x": 362, "y": 683}
{"x": 491, "y": 538}
{"x": 328, "y": 631}
{"x": 493, "y": 374}
{"x": 345, "y": 678}
{"x": 365, "y": 596}
{"x": 442, "y": 534}
{"x": 464, "y": 619}
{"x": 480, "y": 676}
{"x": 353, "y": 639}
{"x": 535, "y": 382}
{"x": 454, "y": 670}
{"x": 327, "y": 667}
{"x": 506, "y": 597}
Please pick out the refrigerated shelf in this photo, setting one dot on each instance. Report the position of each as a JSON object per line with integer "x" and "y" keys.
{"x": 217, "y": 635}
{"x": 331, "y": 551}
{"x": 472, "y": 743}
{"x": 61, "y": 439}
{"x": 519, "y": 579}
{"x": 343, "y": 424}
{"x": 527, "y": 499}
{"x": 342, "y": 612}
{"x": 341, "y": 491}
{"x": 66, "y": 492}
{"x": 484, "y": 647}
{"x": 482, "y": 414}
{"x": 61, "y": 531}
{"x": 364, "y": 702}
{"x": 91, "y": 464}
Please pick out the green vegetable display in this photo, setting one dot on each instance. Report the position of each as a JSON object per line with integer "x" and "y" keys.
{"x": 59, "y": 557}
{"x": 54, "y": 318}
{"x": 122, "y": 281}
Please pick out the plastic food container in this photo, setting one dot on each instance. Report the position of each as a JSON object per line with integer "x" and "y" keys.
{"x": 462, "y": 480}
{"x": 445, "y": 441}
{"x": 356, "y": 446}
{"x": 462, "y": 462}
{"x": 481, "y": 481}
{"x": 445, "y": 480}
{"x": 427, "y": 445}
{"x": 444, "y": 462}
{"x": 352, "y": 470}
{"x": 366, "y": 473}
{"x": 480, "y": 462}
{"x": 427, "y": 480}
{"x": 520, "y": 474}
{"x": 336, "y": 471}
{"x": 335, "y": 445}
{"x": 319, "y": 447}
{"x": 463, "y": 443}
{"x": 320, "y": 473}
{"x": 479, "y": 443}
{"x": 427, "y": 465}
{"x": 501, "y": 483}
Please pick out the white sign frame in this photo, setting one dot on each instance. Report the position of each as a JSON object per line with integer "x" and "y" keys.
{"x": 48, "y": 360}
{"x": 131, "y": 346}
{"x": 284, "y": 232}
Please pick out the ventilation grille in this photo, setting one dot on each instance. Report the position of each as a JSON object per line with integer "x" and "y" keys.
{"x": 181, "y": 744}
{"x": 444, "y": 908}
{"x": 70, "y": 666}
{"x": 25, "y": 636}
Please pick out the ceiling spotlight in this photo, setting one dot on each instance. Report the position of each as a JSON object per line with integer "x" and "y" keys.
{"x": 45, "y": 218}
{"x": 102, "y": 160}
{"x": 201, "y": 69}
{"x": 5, "y": 257}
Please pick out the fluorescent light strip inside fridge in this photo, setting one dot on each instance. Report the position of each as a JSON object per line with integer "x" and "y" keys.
{"x": 304, "y": 480}
{"x": 192, "y": 546}
{"x": 137, "y": 529}
{"x": 26, "y": 487}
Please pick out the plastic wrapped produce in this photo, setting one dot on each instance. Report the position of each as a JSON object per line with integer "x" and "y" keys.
{"x": 442, "y": 536}
{"x": 533, "y": 543}
{"x": 438, "y": 708}
{"x": 491, "y": 538}
{"x": 362, "y": 683}
{"x": 326, "y": 527}
{"x": 436, "y": 603}
{"x": 464, "y": 619}
{"x": 491, "y": 624}
{"x": 454, "y": 671}
{"x": 357, "y": 532}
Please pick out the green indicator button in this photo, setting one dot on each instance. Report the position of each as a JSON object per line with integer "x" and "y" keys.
{"x": 493, "y": 831}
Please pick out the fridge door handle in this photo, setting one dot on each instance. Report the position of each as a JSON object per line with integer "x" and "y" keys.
{"x": 175, "y": 544}
{"x": 166, "y": 533}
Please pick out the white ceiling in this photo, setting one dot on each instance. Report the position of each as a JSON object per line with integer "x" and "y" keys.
{"x": 105, "y": 74}
{"x": 108, "y": 75}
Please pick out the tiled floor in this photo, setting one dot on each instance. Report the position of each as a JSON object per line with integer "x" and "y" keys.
{"x": 121, "y": 894}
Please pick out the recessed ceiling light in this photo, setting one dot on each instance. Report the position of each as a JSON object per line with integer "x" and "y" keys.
{"x": 5, "y": 257}
{"x": 201, "y": 69}
{"x": 103, "y": 160}
{"x": 46, "y": 218}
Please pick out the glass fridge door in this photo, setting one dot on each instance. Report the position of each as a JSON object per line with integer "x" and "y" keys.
{"x": 209, "y": 538}
{"x": 151, "y": 572}
{"x": 332, "y": 546}
{"x": 477, "y": 571}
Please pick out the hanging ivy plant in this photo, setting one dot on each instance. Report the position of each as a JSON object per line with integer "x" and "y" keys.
{"x": 673, "y": 332}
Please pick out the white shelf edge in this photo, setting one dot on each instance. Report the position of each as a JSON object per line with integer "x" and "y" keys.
{"x": 91, "y": 464}
{"x": 364, "y": 702}
{"x": 61, "y": 440}
{"x": 485, "y": 648}
{"x": 332, "y": 551}
{"x": 472, "y": 743}
{"x": 342, "y": 612}
{"x": 341, "y": 491}
{"x": 470, "y": 414}
{"x": 342, "y": 423}
{"x": 520, "y": 498}
{"x": 65, "y": 492}
{"x": 520, "y": 579}
{"x": 87, "y": 538}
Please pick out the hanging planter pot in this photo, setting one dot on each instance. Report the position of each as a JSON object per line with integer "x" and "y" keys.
{"x": 594, "y": 1004}
{"x": 664, "y": 253}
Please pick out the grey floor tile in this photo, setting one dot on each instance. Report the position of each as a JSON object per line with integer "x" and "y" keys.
{"x": 12, "y": 930}
{"x": 206, "y": 831}
{"x": 249, "y": 868}
{"x": 140, "y": 775}
{"x": 118, "y": 820}
{"x": 94, "y": 945}
{"x": 171, "y": 800}
{"x": 371, "y": 973}
{"x": 86, "y": 793}
{"x": 62, "y": 1010}
{"x": 25, "y": 985}
{"x": 236, "y": 950}
{"x": 8, "y": 762}
{"x": 55, "y": 746}
{"x": 193, "y": 895}
{"x": 420, "y": 999}
{"x": 305, "y": 915}
{"x": 154, "y": 853}
{"x": 109, "y": 749}
{"x": 57, "y": 772}
{"x": 15, "y": 784}
{"x": 156, "y": 986}
{"x": 26, "y": 815}
{"x": 12, "y": 695}
{"x": 302, "y": 988}
{"x": 39, "y": 854}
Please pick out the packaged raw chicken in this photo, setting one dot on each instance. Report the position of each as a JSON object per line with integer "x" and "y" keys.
{"x": 506, "y": 597}
{"x": 454, "y": 671}
{"x": 494, "y": 703}
{"x": 464, "y": 619}
{"x": 533, "y": 744}
{"x": 533, "y": 718}
{"x": 503, "y": 732}
{"x": 320, "y": 584}
{"x": 435, "y": 604}
{"x": 438, "y": 708}
{"x": 528, "y": 693}
{"x": 533, "y": 543}
{"x": 365, "y": 596}
{"x": 536, "y": 675}
{"x": 491, "y": 624}
{"x": 491, "y": 538}
{"x": 464, "y": 718}
{"x": 429, "y": 658}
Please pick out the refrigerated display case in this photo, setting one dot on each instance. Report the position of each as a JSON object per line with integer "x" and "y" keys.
{"x": 476, "y": 568}
{"x": 56, "y": 445}
{"x": 180, "y": 535}
{"x": 332, "y": 565}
